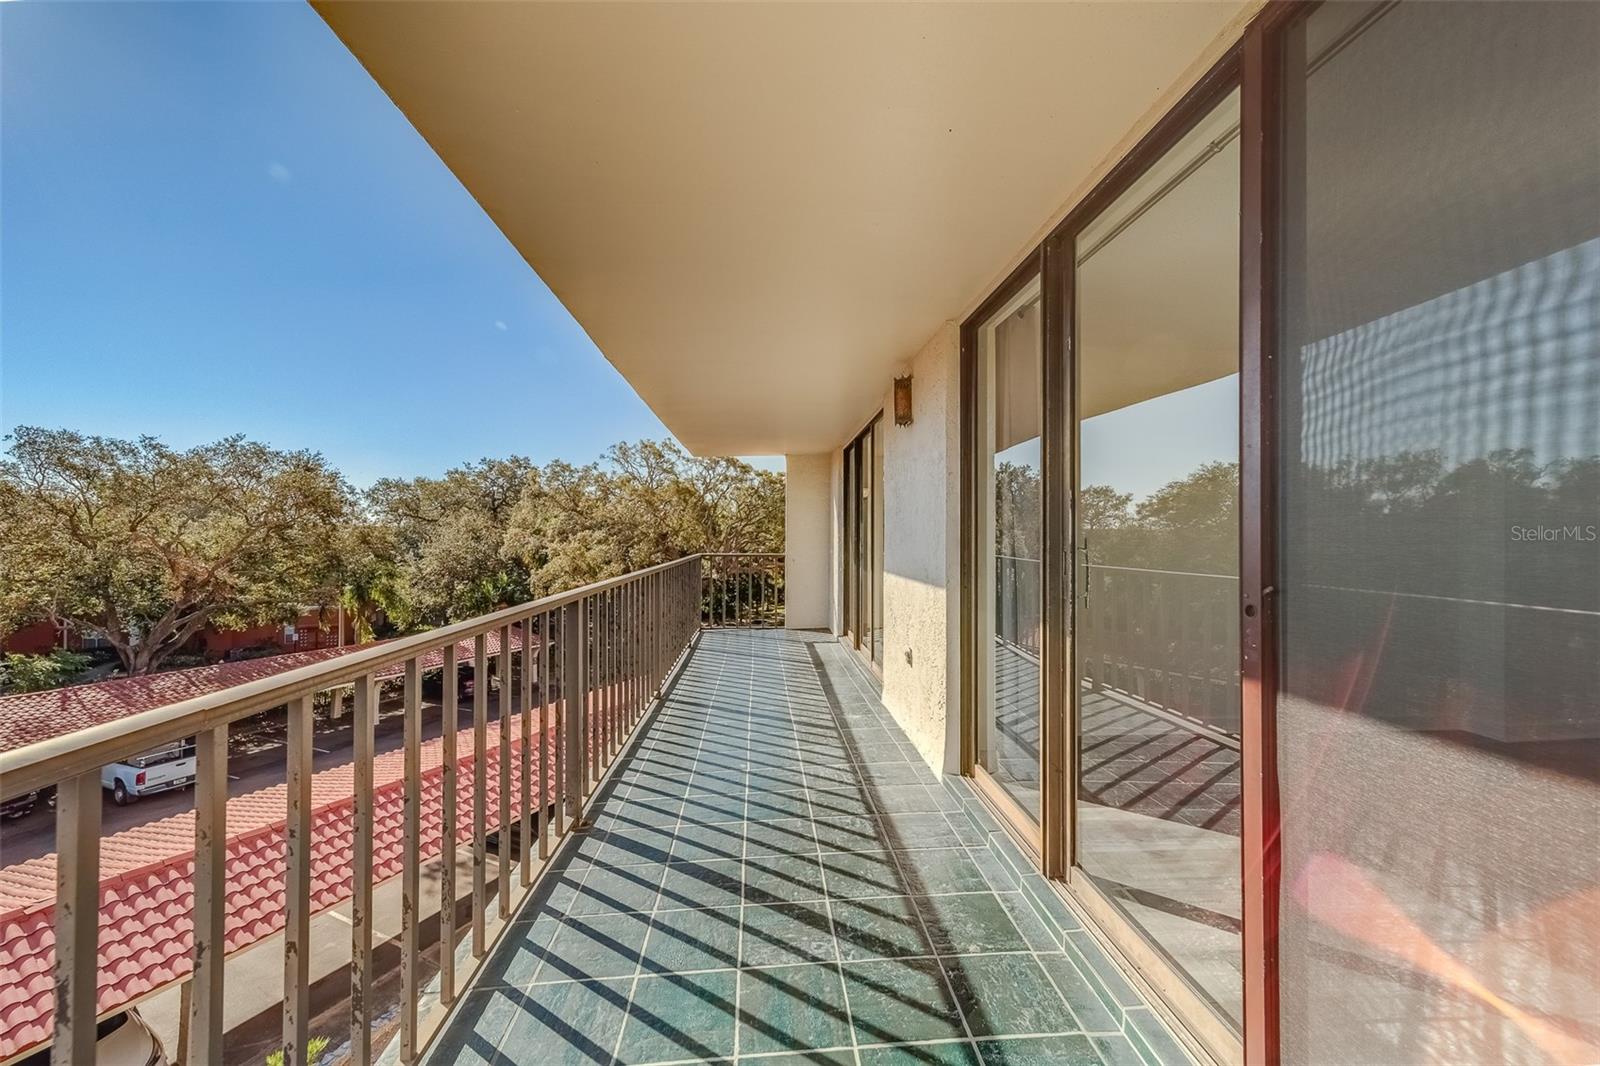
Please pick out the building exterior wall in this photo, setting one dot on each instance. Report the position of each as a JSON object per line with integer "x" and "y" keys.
{"x": 808, "y": 541}
{"x": 921, "y": 555}
{"x": 316, "y": 627}
{"x": 39, "y": 638}
{"x": 836, "y": 540}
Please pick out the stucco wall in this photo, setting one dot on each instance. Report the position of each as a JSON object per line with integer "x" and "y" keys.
{"x": 808, "y": 541}
{"x": 921, "y": 555}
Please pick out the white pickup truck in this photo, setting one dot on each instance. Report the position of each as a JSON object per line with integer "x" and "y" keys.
{"x": 157, "y": 770}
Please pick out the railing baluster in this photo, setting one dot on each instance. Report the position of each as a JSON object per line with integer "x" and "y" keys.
{"x": 562, "y": 712}
{"x": 205, "y": 1021}
{"x": 574, "y": 685}
{"x": 480, "y": 786}
{"x": 410, "y": 872}
{"x": 549, "y": 753}
{"x": 503, "y": 852}
{"x": 641, "y": 649}
{"x": 605, "y": 648}
{"x": 77, "y": 918}
{"x": 619, "y": 682}
{"x": 364, "y": 749}
{"x": 619, "y": 676}
{"x": 589, "y": 668}
{"x": 297, "y": 887}
{"x": 634, "y": 602}
{"x": 595, "y": 705}
{"x": 651, "y": 633}
{"x": 449, "y": 724}
{"x": 525, "y": 837}
{"x": 636, "y": 647}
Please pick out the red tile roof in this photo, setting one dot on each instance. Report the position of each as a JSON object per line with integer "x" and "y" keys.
{"x": 146, "y": 889}
{"x": 30, "y": 717}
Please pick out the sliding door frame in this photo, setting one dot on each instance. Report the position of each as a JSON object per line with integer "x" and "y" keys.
{"x": 976, "y": 607}
{"x": 1254, "y": 66}
{"x": 1214, "y": 1033}
{"x": 861, "y": 555}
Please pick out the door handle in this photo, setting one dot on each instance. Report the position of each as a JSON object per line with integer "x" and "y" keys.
{"x": 1084, "y": 548}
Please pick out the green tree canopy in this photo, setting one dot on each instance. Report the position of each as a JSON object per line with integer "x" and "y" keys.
{"x": 438, "y": 544}
{"x": 145, "y": 545}
{"x": 643, "y": 504}
{"x": 501, "y": 531}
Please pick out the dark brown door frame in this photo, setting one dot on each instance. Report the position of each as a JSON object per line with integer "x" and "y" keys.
{"x": 859, "y": 556}
{"x": 1201, "y": 99}
{"x": 1261, "y": 164}
{"x": 1254, "y": 65}
{"x": 1023, "y": 275}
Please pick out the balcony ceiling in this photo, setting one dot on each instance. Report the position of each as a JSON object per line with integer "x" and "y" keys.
{"x": 759, "y": 211}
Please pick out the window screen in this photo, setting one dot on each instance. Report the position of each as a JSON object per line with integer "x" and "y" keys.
{"x": 1440, "y": 420}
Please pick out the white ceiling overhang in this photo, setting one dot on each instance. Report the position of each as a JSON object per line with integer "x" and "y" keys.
{"x": 760, "y": 211}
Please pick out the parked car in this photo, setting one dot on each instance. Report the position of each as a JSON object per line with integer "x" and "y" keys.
{"x": 157, "y": 770}
{"x": 17, "y": 806}
{"x": 122, "y": 1039}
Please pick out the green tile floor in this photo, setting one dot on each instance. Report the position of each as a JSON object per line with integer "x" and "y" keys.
{"x": 774, "y": 876}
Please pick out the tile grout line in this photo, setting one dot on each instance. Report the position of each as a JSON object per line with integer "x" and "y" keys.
{"x": 944, "y": 977}
{"x": 744, "y": 849}
{"x": 944, "y": 974}
{"x": 650, "y": 926}
{"x": 827, "y": 894}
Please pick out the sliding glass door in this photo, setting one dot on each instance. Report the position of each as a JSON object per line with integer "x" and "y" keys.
{"x": 1281, "y": 611}
{"x": 1010, "y": 553}
{"x": 1438, "y": 711}
{"x": 1156, "y": 663}
{"x": 863, "y": 537}
{"x": 1103, "y": 547}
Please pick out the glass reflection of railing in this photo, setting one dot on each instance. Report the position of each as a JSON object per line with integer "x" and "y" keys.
{"x": 1517, "y": 674}
{"x": 1018, "y": 617}
{"x": 1167, "y": 637}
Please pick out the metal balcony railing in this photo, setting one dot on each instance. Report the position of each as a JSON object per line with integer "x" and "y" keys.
{"x": 1167, "y": 637}
{"x": 743, "y": 589}
{"x": 588, "y": 665}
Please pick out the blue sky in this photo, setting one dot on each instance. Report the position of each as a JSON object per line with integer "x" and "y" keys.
{"x": 1140, "y": 448}
{"x": 212, "y": 221}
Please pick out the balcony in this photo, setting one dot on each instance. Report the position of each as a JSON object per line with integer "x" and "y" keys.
{"x": 772, "y": 874}
{"x": 693, "y": 835}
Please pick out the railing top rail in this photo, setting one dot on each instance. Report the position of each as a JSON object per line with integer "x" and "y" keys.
{"x": 741, "y": 555}
{"x": 1169, "y": 573}
{"x": 47, "y": 762}
{"x": 1125, "y": 569}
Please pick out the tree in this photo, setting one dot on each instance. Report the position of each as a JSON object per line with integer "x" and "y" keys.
{"x": 145, "y": 545}
{"x": 645, "y": 503}
{"x": 368, "y": 576}
{"x": 444, "y": 542}
{"x": 34, "y": 673}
